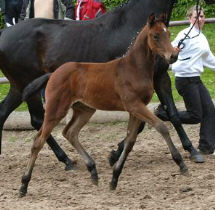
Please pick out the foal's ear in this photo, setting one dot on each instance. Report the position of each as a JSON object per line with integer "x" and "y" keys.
{"x": 151, "y": 20}
{"x": 163, "y": 18}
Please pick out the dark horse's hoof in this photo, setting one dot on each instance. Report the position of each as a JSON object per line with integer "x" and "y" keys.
{"x": 94, "y": 177}
{"x": 22, "y": 192}
{"x": 70, "y": 164}
{"x": 196, "y": 156}
{"x": 113, "y": 157}
{"x": 95, "y": 181}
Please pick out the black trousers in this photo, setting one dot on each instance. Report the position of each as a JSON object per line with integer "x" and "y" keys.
{"x": 199, "y": 109}
{"x": 12, "y": 10}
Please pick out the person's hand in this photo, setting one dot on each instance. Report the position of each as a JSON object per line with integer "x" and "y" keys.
{"x": 177, "y": 49}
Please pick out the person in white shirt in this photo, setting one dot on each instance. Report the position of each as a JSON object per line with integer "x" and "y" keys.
{"x": 195, "y": 54}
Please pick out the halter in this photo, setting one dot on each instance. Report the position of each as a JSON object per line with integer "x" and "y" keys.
{"x": 198, "y": 12}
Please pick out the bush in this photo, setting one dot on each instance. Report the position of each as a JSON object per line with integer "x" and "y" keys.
{"x": 180, "y": 9}
{"x": 113, "y": 3}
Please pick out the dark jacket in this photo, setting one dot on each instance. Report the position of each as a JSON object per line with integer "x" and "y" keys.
{"x": 2, "y": 2}
{"x": 11, "y": 10}
{"x": 70, "y": 9}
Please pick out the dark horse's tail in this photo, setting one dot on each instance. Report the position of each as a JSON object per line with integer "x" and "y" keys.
{"x": 35, "y": 86}
{"x": 1, "y": 30}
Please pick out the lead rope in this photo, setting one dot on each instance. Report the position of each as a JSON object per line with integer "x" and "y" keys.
{"x": 198, "y": 11}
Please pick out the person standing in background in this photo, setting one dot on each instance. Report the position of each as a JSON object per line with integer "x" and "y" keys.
{"x": 52, "y": 9}
{"x": 11, "y": 10}
{"x": 195, "y": 54}
{"x": 89, "y": 9}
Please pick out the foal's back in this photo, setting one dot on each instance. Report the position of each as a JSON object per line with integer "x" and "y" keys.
{"x": 91, "y": 83}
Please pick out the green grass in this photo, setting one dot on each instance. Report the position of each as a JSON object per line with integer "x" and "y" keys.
{"x": 208, "y": 76}
{"x": 4, "y": 88}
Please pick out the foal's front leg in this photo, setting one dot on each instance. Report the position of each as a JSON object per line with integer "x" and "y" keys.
{"x": 144, "y": 114}
{"x": 128, "y": 145}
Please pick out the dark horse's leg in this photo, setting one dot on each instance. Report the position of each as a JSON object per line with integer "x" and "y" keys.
{"x": 163, "y": 89}
{"x": 162, "y": 85}
{"x": 37, "y": 114}
{"x": 10, "y": 103}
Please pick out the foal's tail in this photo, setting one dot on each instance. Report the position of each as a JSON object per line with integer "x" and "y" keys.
{"x": 35, "y": 86}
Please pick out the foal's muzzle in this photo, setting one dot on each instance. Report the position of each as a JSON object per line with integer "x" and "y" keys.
{"x": 173, "y": 58}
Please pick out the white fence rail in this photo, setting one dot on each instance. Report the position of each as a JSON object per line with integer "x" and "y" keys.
{"x": 186, "y": 22}
{"x": 4, "y": 80}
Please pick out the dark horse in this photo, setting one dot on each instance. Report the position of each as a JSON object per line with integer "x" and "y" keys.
{"x": 35, "y": 46}
{"x": 86, "y": 87}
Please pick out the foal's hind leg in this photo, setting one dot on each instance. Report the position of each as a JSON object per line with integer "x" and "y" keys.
{"x": 38, "y": 144}
{"x": 81, "y": 115}
{"x": 54, "y": 115}
{"x": 37, "y": 114}
{"x": 142, "y": 112}
{"x": 128, "y": 145}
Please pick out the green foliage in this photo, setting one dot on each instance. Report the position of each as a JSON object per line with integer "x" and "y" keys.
{"x": 1, "y": 20}
{"x": 113, "y": 3}
{"x": 179, "y": 11}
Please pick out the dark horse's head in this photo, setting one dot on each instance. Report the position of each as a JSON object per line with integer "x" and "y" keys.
{"x": 159, "y": 38}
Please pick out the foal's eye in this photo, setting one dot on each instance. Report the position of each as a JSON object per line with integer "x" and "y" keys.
{"x": 155, "y": 37}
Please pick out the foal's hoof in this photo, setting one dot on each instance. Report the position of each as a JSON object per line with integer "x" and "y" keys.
{"x": 113, "y": 157}
{"x": 196, "y": 156}
{"x": 70, "y": 164}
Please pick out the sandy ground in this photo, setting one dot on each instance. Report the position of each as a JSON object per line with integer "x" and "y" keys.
{"x": 150, "y": 179}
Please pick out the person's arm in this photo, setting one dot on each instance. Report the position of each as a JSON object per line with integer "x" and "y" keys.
{"x": 102, "y": 10}
{"x": 209, "y": 60}
{"x": 70, "y": 9}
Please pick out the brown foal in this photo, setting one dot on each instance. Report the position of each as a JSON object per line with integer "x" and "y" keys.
{"x": 124, "y": 84}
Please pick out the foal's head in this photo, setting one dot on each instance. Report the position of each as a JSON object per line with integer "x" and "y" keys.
{"x": 159, "y": 38}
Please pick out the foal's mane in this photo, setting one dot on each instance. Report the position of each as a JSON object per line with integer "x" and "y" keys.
{"x": 140, "y": 34}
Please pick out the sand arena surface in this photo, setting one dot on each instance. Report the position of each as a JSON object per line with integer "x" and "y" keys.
{"x": 150, "y": 179}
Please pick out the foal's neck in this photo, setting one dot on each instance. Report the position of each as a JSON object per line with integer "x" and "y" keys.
{"x": 140, "y": 53}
